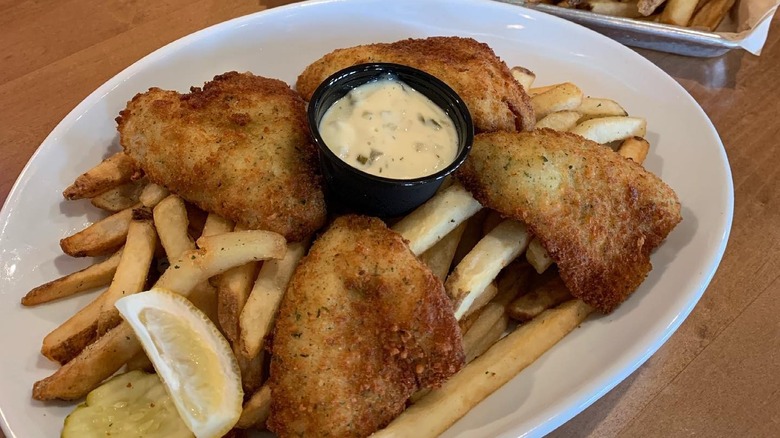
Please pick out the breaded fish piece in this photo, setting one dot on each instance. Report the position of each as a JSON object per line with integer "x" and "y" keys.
{"x": 239, "y": 147}
{"x": 362, "y": 326}
{"x": 494, "y": 98}
{"x": 598, "y": 214}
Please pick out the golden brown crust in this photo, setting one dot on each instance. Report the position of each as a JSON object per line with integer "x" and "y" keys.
{"x": 496, "y": 101}
{"x": 239, "y": 147}
{"x": 598, "y": 214}
{"x": 362, "y": 326}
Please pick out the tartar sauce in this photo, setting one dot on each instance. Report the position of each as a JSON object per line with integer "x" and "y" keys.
{"x": 388, "y": 129}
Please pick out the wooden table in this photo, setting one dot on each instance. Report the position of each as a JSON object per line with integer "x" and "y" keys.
{"x": 718, "y": 375}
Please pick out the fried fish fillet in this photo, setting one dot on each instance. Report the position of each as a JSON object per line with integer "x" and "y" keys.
{"x": 496, "y": 101}
{"x": 598, "y": 214}
{"x": 239, "y": 147}
{"x": 362, "y": 326}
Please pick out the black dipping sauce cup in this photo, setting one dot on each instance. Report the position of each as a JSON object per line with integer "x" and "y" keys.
{"x": 375, "y": 195}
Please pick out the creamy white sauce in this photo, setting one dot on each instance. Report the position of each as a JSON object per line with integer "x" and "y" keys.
{"x": 388, "y": 129}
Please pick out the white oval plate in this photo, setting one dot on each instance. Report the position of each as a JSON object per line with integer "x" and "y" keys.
{"x": 686, "y": 152}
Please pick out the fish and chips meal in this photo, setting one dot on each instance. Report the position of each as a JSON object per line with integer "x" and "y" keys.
{"x": 696, "y": 14}
{"x": 236, "y": 298}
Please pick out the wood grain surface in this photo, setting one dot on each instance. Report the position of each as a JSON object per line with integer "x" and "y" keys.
{"x": 718, "y": 375}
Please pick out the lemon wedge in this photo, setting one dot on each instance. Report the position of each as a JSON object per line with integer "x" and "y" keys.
{"x": 191, "y": 357}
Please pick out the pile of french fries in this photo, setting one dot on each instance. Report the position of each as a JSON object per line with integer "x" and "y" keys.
{"x": 511, "y": 304}
{"x": 699, "y": 14}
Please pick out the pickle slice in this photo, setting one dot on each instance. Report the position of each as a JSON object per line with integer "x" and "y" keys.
{"x": 131, "y": 405}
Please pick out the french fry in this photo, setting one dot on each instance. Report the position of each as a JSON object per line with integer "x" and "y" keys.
{"x": 608, "y": 129}
{"x": 251, "y": 368}
{"x": 71, "y": 337}
{"x": 700, "y": 4}
{"x": 471, "y": 235}
{"x": 233, "y": 288}
{"x": 634, "y": 148}
{"x": 514, "y": 276}
{"x": 439, "y": 257}
{"x": 476, "y": 342}
{"x": 648, "y": 7}
{"x": 437, "y": 217}
{"x": 593, "y": 107}
{"x": 492, "y": 219}
{"x": 711, "y": 14}
{"x": 256, "y": 409}
{"x": 490, "y": 292}
{"x": 102, "y": 237}
{"x": 537, "y": 256}
{"x": 105, "y": 356}
{"x": 549, "y": 292}
{"x": 216, "y": 224}
{"x": 478, "y": 346}
{"x": 111, "y": 172}
{"x": 152, "y": 194}
{"x": 97, "y": 275}
{"x": 418, "y": 395}
{"x": 523, "y": 76}
{"x": 475, "y": 312}
{"x": 479, "y": 333}
{"x": 257, "y": 317}
{"x": 133, "y": 268}
{"x": 219, "y": 253}
{"x": 196, "y": 218}
{"x": 539, "y": 90}
{"x": 120, "y": 198}
{"x": 95, "y": 363}
{"x": 563, "y": 97}
{"x": 484, "y": 262}
{"x": 467, "y": 321}
{"x": 559, "y": 121}
{"x": 511, "y": 277}
{"x": 678, "y": 12}
{"x": 204, "y": 297}
{"x": 172, "y": 222}
{"x": 441, "y": 407}
{"x": 170, "y": 219}
{"x": 627, "y": 9}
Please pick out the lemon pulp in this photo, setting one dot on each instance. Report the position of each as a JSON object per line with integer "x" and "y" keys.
{"x": 180, "y": 348}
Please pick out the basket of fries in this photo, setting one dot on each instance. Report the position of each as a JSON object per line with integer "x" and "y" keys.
{"x": 700, "y": 28}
